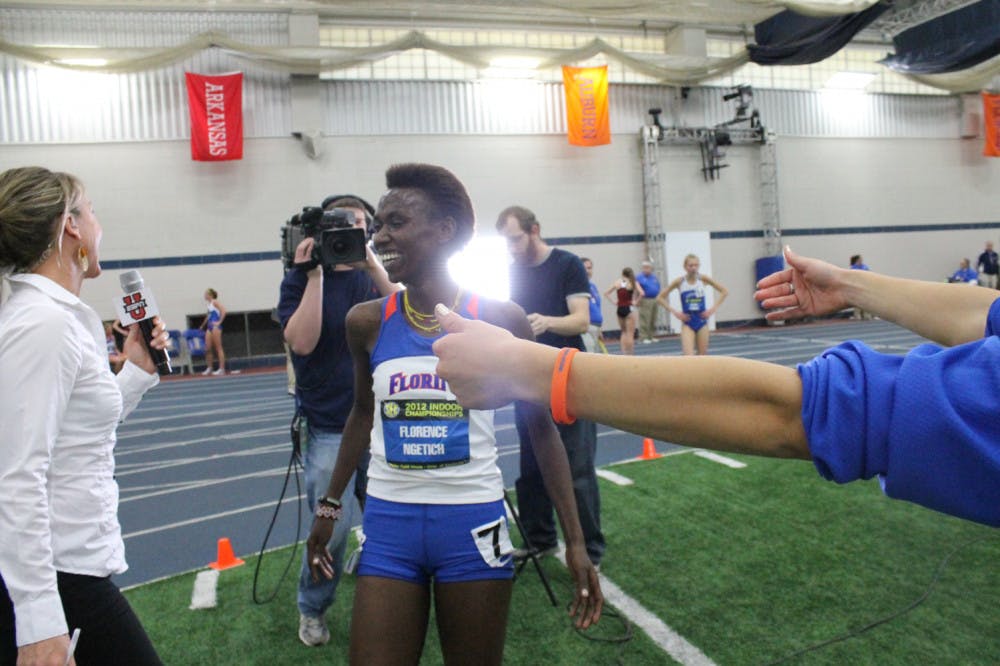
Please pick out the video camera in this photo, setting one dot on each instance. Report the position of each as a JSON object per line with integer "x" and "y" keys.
{"x": 338, "y": 241}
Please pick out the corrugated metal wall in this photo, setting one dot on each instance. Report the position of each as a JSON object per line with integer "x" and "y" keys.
{"x": 506, "y": 107}
{"x": 50, "y": 105}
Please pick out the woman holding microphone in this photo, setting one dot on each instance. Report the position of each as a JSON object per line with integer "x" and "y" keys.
{"x": 59, "y": 407}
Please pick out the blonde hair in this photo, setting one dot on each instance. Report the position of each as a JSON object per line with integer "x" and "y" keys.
{"x": 690, "y": 257}
{"x": 34, "y": 203}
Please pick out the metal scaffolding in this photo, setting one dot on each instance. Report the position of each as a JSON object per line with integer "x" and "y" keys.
{"x": 709, "y": 139}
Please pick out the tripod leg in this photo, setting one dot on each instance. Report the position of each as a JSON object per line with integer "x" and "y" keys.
{"x": 532, "y": 551}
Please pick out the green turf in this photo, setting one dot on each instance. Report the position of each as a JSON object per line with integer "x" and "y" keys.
{"x": 239, "y": 632}
{"x": 748, "y": 565}
{"x": 753, "y": 564}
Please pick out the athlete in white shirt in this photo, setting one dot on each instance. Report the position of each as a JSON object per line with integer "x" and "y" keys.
{"x": 59, "y": 407}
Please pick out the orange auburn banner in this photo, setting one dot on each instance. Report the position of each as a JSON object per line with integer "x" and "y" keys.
{"x": 587, "y": 105}
{"x": 991, "y": 116}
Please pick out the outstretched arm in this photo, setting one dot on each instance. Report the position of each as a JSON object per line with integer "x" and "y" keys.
{"x": 946, "y": 313}
{"x": 713, "y": 402}
{"x": 554, "y": 466}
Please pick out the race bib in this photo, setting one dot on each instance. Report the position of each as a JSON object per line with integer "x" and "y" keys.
{"x": 493, "y": 542}
{"x": 425, "y": 434}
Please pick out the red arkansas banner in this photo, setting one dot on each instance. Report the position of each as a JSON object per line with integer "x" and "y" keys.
{"x": 587, "y": 105}
{"x": 991, "y": 116}
{"x": 216, "y": 105}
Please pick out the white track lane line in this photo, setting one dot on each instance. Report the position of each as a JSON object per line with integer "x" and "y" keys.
{"x": 614, "y": 477}
{"x": 666, "y": 638}
{"x": 204, "y": 519}
{"x": 722, "y": 460}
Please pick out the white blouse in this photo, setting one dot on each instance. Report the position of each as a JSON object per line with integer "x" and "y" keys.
{"x": 59, "y": 407}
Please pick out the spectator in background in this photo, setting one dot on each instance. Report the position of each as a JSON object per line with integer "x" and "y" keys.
{"x": 965, "y": 273}
{"x": 649, "y": 311}
{"x": 858, "y": 264}
{"x": 213, "y": 333}
{"x": 593, "y": 339}
{"x": 312, "y": 307}
{"x": 628, "y": 295}
{"x": 989, "y": 266}
{"x": 551, "y": 285}
{"x": 693, "y": 314}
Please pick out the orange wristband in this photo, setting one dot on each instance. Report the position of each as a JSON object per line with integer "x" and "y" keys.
{"x": 560, "y": 381}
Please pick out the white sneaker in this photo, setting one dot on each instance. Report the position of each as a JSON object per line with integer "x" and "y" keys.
{"x": 220, "y": 371}
{"x": 313, "y": 631}
{"x": 647, "y": 342}
{"x": 207, "y": 371}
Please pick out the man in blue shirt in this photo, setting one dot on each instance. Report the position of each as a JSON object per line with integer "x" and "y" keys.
{"x": 648, "y": 308}
{"x": 965, "y": 273}
{"x": 313, "y": 304}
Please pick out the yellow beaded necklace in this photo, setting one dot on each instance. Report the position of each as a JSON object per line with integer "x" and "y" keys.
{"x": 427, "y": 323}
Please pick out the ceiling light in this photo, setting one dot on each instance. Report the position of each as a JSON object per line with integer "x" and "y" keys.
{"x": 849, "y": 81}
{"x": 89, "y": 62}
{"x": 512, "y": 67}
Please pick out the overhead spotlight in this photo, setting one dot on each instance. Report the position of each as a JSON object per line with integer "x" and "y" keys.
{"x": 744, "y": 96}
{"x": 656, "y": 122}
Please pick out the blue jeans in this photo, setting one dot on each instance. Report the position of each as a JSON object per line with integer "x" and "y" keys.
{"x": 321, "y": 448}
{"x": 533, "y": 503}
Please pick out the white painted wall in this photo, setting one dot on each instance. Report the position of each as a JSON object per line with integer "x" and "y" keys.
{"x": 154, "y": 201}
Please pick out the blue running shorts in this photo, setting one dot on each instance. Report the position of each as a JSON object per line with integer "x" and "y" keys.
{"x": 448, "y": 542}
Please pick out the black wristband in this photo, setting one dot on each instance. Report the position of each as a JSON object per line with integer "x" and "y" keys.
{"x": 329, "y": 501}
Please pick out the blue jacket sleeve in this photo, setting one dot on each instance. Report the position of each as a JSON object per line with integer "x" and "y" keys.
{"x": 927, "y": 423}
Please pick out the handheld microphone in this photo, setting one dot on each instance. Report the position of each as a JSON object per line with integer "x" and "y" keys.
{"x": 138, "y": 307}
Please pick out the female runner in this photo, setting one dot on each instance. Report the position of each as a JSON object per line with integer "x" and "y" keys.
{"x": 434, "y": 521}
{"x": 693, "y": 313}
{"x": 213, "y": 333}
{"x": 628, "y": 294}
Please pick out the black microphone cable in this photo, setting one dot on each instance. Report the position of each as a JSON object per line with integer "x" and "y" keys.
{"x": 294, "y": 464}
{"x": 892, "y": 616}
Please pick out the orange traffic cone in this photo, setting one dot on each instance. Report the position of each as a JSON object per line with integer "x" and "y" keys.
{"x": 226, "y": 559}
{"x": 649, "y": 450}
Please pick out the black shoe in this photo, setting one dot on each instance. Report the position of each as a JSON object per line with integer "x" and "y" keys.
{"x": 524, "y": 553}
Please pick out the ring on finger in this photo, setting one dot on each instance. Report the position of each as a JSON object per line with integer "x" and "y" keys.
{"x": 791, "y": 288}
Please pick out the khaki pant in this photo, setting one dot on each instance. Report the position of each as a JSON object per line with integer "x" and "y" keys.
{"x": 648, "y": 314}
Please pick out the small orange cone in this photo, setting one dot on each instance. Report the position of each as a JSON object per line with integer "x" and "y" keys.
{"x": 649, "y": 450}
{"x": 226, "y": 558}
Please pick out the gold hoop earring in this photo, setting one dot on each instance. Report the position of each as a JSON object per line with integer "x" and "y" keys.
{"x": 83, "y": 259}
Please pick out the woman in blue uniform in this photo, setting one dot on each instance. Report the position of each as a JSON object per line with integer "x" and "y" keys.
{"x": 693, "y": 314}
{"x": 434, "y": 524}
{"x": 213, "y": 333}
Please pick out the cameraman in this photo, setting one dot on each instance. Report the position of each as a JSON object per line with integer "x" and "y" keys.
{"x": 313, "y": 305}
